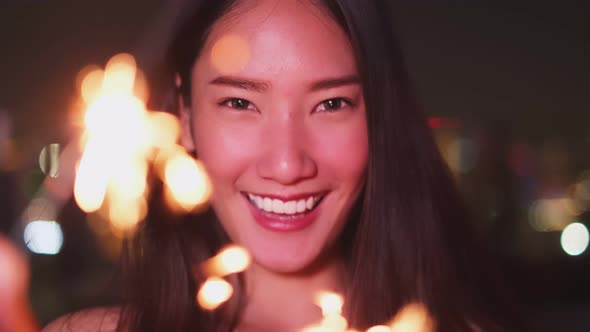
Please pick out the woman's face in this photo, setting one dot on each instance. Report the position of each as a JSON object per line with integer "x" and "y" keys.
{"x": 278, "y": 119}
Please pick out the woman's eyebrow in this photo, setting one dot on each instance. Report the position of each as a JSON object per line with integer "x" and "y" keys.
{"x": 334, "y": 82}
{"x": 241, "y": 83}
{"x": 262, "y": 86}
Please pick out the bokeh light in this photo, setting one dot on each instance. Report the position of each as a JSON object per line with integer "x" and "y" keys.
{"x": 379, "y": 328}
{"x": 43, "y": 237}
{"x": 121, "y": 139}
{"x": 49, "y": 160}
{"x": 462, "y": 155}
{"x": 331, "y": 303}
{"x": 187, "y": 181}
{"x": 214, "y": 292}
{"x": 574, "y": 239}
{"x": 551, "y": 214}
{"x": 231, "y": 259}
{"x": 164, "y": 129}
{"x": 230, "y": 54}
{"x": 413, "y": 317}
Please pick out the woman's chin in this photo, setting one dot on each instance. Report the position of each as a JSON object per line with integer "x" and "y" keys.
{"x": 280, "y": 260}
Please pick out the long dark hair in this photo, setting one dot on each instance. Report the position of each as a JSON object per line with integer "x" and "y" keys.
{"x": 409, "y": 236}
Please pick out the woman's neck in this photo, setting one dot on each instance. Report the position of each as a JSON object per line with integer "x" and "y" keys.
{"x": 286, "y": 302}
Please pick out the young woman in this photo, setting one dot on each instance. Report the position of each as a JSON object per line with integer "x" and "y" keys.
{"x": 323, "y": 168}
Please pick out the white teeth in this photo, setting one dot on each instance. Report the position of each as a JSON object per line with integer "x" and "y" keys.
{"x": 267, "y": 204}
{"x": 280, "y": 207}
{"x": 277, "y": 206}
{"x": 301, "y": 205}
{"x": 309, "y": 203}
{"x": 290, "y": 207}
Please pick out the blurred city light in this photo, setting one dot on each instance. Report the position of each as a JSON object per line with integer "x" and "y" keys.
{"x": 551, "y": 214}
{"x": 49, "y": 160}
{"x": 444, "y": 123}
{"x": 462, "y": 155}
{"x": 574, "y": 239}
{"x": 43, "y": 237}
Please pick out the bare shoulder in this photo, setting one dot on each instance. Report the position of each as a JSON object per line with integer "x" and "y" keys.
{"x": 103, "y": 319}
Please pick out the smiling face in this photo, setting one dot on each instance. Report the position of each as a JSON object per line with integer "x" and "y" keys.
{"x": 278, "y": 120}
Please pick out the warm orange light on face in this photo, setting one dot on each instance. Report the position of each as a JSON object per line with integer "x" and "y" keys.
{"x": 214, "y": 292}
{"x": 187, "y": 181}
{"x": 230, "y": 54}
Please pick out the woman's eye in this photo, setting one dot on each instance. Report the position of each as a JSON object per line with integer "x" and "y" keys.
{"x": 238, "y": 103}
{"x": 331, "y": 105}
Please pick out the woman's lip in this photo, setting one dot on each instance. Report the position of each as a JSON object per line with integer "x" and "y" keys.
{"x": 286, "y": 198}
{"x": 283, "y": 223}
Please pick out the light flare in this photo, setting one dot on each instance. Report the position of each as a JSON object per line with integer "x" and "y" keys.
{"x": 90, "y": 86}
{"x": 231, "y": 259}
{"x": 413, "y": 317}
{"x": 163, "y": 129}
{"x": 186, "y": 181}
{"x": 120, "y": 140}
{"x": 331, "y": 303}
{"x": 91, "y": 181}
{"x": 382, "y": 328}
{"x": 575, "y": 238}
{"x": 213, "y": 293}
{"x": 119, "y": 75}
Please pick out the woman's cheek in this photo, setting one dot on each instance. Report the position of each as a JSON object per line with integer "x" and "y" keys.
{"x": 224, "y": 150}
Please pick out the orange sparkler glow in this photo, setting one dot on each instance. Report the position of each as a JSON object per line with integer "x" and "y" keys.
{"x": 91, "y": 181}
{"x": 121, "y": 138}
{"x": 91, "y": 85}
{"x": 331, "y": 305}
{"x": 413, "y": 317}
{"x": 164, "y": 129}
{"x": 214, "y": 292}
{"x": 186, "y": 181}
{"x": 231, "y": 259}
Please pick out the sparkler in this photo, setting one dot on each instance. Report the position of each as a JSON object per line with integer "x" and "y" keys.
{"x": 121, "y": 140}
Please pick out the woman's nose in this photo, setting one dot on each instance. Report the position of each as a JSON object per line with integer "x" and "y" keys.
{"x": 286, "y": 157}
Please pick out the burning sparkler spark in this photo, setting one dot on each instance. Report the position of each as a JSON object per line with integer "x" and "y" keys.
{"x": 413, "y": 317}
{"x": 232, "y": 259}
{"x": 121, "y": 138}
{"x": 214, "y": 292}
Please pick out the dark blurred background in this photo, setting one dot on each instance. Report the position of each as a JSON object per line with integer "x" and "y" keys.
{"x": 505, "y": 84}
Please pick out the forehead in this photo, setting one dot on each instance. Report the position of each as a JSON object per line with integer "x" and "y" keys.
{"x": 278, "y": 37}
